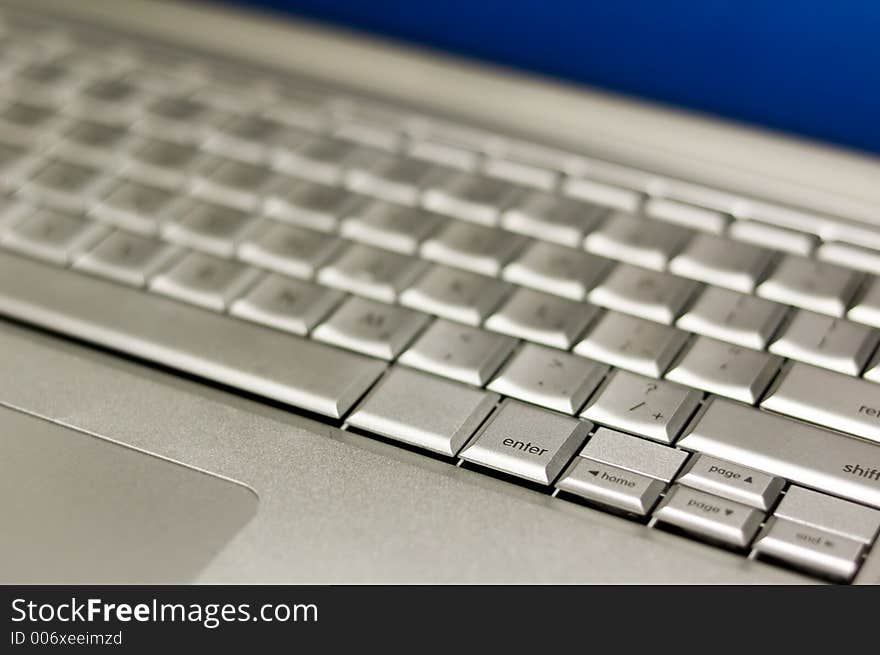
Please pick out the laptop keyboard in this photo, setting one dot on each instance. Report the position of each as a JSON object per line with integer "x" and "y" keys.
{"x": 693, "y": 360}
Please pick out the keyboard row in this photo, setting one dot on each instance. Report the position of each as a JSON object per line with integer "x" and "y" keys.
{"x": 292, "y": 243}
{"x": 468, "y": 221}
{"x": 183, "y": 100}
{"x": 53, "y": 62}
{"x": 151, "y": 148}
{"x": 733, "y": 491}
{"x": 569, "y": 344}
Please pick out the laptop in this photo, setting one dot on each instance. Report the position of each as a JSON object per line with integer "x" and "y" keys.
{"x": 289, "y": 302}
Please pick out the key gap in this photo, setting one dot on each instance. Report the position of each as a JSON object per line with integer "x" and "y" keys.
{"x": 691, "y": 300}
{"x": 869, "y": 359}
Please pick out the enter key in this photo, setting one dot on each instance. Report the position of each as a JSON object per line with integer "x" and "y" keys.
{"x": 827, "y": 398}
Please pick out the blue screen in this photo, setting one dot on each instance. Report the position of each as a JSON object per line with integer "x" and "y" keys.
{"x": 805, "y": 67}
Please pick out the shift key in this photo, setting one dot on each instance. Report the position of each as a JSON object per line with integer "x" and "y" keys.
{"x": 527, "y": 442}
{"x": 828, "y": 398}
{"x": 824, "y": 460}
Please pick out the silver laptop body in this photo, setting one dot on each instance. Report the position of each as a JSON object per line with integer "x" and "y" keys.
{"x": 285, "y": 305}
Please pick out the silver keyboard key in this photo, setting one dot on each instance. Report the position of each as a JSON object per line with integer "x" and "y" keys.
{"x": 650, "y": 294}
{"x": 827, "y": 398}
{"x": 521, "y": 173}
{"x": 158, "y": 70}
{"x": 127, "y": 258}
{"x": 209, "y": 227}
{"x": 722, "y": 262}
{"x": 371, "y": 272}
{"x": 733, "y": 317}
{"x": 634, "y": 454}
{"x": 27, "y": 124}
{"x": 725, "y": 369}
{"x": 68, "y": 186}
{"x": 371, "y": 328}
{"x": 320, "y": 159}
{"x": 396, "y": 408}
{"x": 822, "y": 459}
{"x": 690, "y": 216}
{"x": 299, "y": 107}
{"x": 391, "y": 226}
{"x": 288, "y": 249}
{"x": 286, "y": 304}
{"x": 137, "y": 207}
{"x": 604, "y": 194}
{"x": 92, "y": 143}
{"x": 866, "y": 309}
{"x": 461, "y": 136}
{"x": 155, "y": 73}
{"x": 460, "y": 352}
{"x": 655, "y": 409}
{"x": 826, "y": 341}
{"x": 251, "y": 138}
{"x": 709, "y": 516}
{"x": 850, "y": 256}
{"x": 527, "y": 442}
{"x": 637, "y": 240}
{"x": 840, "y": 517}
{"x": 632, "y": 343}
{"x": 45, "y": 81}
{"x": 811, "y": 284}
{"x": 552, "y": 218}
{"x": 611, "y": 486}
{"x": 367, "y": 133}
{"x": 732, "y": 481}
{"x": 771, "y": 236}
{"x": 390, "y": 177}
{"x": 444, "y": 154}
{"x": 205, "y": 280}
{"x": 228, "y": 87}
{"x": 113, "y": 99}
{"x": 474, "y": 247}
{"x": 473, "y": 198}
{"x": 810, "y": 548}
{"x": 161, "y": 162}
{"x": 556, "y": 269}
{"x": 542, "y": 318}
{"x": 179, "y": 117}
{"x": 311, "y": 205}
{"x": 14, "y": 162}
{"x": 544, "y": 376}
{"x": 235, "y": 183}
{"x": 53, "y": 236}
{"x": 455, "y": 294}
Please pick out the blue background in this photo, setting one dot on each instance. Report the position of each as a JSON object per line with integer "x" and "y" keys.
{"x": 806, "y": 67}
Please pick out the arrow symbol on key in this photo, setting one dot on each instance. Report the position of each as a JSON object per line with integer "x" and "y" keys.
{"x": 728, "y": 512}
{"x": 593, "y": 472}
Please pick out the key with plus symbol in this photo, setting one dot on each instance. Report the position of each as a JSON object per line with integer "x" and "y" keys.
{"x": 656, "y": 409}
